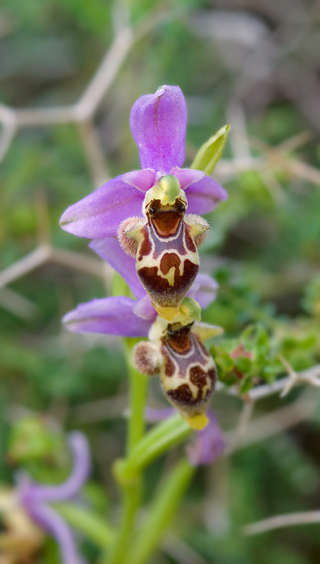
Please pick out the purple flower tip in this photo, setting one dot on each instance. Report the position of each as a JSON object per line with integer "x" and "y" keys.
{"x": 208, "y": 445}
{"x": 34, "y": 498}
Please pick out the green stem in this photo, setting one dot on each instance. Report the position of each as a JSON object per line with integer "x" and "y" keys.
{"x": 161, "y": 438}
{"x": 91, "y": 524}
{"x": 161, "y": 512}
{"x": 130, "y": 492}
{"x": 137, "y": 400}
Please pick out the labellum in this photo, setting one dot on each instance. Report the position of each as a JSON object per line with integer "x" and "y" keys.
{"x": 188, "y": 374}
{"x": 187, "y": 370}
{"x": 165, "y": 245}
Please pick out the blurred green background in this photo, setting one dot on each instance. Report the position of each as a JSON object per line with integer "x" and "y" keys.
{"x": 253, "y": 64}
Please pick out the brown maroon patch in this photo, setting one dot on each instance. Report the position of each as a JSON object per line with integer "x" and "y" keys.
{"x": 166, "y": 223}
{"x": 159, "y": 288}
{"x": 189, "y": 241}
{"x": 198, "y": 376}
{"x": 169, "y": 368}
{"x": 182, "y": 395}
{"x": 146, "y": 246}
{"x": 168, "y": 261}
{"x": 180, "y": 341}
{"x": 212, "y": 373}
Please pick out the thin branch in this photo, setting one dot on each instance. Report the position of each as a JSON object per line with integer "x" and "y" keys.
{"x": 241, "y": 428}
{"x": 280, "y": 521}
{"x": 25, "y": 265}
{"x": 7, "y": 135}
{"x": 94, "y": 153}
{"x": 82, "y": 262}
{"x": 266, "y": 426}
{"x": 105, "y": 74}
{"x": 17, "y": 304}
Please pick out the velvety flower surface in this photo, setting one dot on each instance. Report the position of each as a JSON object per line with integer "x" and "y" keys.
{"x": 35, "y": 498}
{"x": 207, "y": 444}
{"x": 158, "y": 123}
{"x": 121, "y": 315}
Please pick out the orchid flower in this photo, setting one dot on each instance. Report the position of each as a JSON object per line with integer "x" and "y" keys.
{"x": 35, "y": 499}
{"x": 146, "y": 208}
{"x": 123, "y": 316}
{"x": 158, "y": 124}
{"x": 127, "y": 317}
{"x": 208, "y": 444}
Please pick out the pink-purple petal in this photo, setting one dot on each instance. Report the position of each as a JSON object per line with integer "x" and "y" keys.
{"x": 204, "y": 290}
{"x": 203, "y": 196}
{"x": 158, "y": 124}
{"x": 141, "y": 179}
{"x": 109, "y": 249}
{"x": 208, "y": 444}
{"x": 50, "y": 520}
{"x": 100, "y": 214}
{"x": 153, "y": 415}
{"x": 113, "y": 316}
{"x": 187, "y": 176}
{"x": 145, "y": 309}
{"x": 79, "y": 473}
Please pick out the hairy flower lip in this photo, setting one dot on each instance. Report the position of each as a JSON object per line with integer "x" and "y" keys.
{"x": 158, "y": 122}
{"x": 124, "y": 316}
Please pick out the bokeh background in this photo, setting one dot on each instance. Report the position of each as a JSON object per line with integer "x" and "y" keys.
{"x": 70, "y": 71}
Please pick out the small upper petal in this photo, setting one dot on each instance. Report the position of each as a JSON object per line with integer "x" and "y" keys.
{"x": 204, "y": 290}
{"x": 113, "y": 316}
{"x": 110, "y": 250}
{"x": 203, "y": 196}
{"x": 141, "y": 179}
{"x": 158, "y": 124}
{"x": 100, "y": 214}
{"x": 187, "y": 176}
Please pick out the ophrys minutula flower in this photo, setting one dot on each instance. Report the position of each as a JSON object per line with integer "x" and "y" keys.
{"x": 153, "y": 195}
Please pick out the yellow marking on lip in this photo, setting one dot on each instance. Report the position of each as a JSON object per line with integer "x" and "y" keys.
{"x": 198, "y": 421}
{"x": 168, "y": 313}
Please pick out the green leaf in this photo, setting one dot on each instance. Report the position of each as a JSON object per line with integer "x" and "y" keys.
{"x": 93, "y": 525}
{"x": 161, "y": 512}
{"x": 161, "y": 438}
{"x": 211, "y": 151}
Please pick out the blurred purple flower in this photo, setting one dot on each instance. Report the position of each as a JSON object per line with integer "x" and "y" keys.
{"x": 35, "y": 497}
{"x": 121, "y": 315}
{"x": 158, "y": 124}
{"x": 207, "y": 445}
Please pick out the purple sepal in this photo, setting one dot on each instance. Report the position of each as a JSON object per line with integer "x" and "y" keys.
{"x": 109, "y": 249}
{"x": 79, "y": 475}
{"x": 100, "y": 214}
{"x": 50, "y": 520}
{"x": 208, "y": 444}
{"x": 204, "y": 290}
{"x": 34, "y": 498}
{"x": 203, "y": 196}
{"x": 153, "y": 415}
{"x": 145, "y": 309}
{"x": 113, "y": 316}
{"x": 158, "y": 124}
